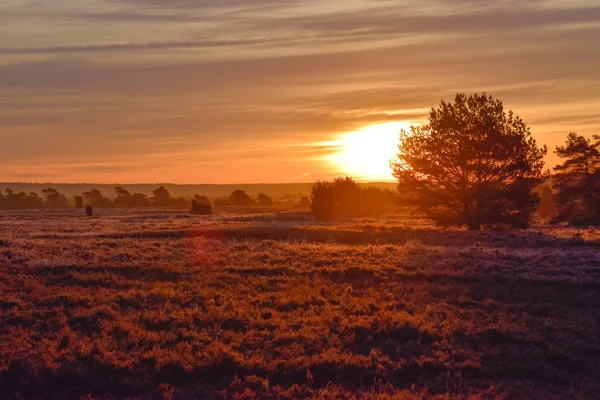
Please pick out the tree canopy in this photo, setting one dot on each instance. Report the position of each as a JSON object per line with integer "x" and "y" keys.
{"x": 577, "y": 179}
{"x": 473, "y": 164}
{"x": 240, "y": 198}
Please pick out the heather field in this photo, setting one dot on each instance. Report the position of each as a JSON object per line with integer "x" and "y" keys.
{"x": 160, "y": 304}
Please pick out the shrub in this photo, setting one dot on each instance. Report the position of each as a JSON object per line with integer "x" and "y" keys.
{"x": 322, "y": 201}
{"x": 304, "y": 202}
{"x": 345, "y": 198}
{"x": 264, "y": 200}
{"x": 240, "y": 198}
{"x": 201, "y": 208}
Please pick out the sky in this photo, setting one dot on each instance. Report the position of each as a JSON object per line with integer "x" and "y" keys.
{"x": 231, "y": 91}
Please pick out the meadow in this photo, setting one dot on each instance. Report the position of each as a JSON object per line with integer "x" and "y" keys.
{"x": 160, "y": 304}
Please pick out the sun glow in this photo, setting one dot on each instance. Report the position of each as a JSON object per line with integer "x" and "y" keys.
{"x": 366, "y": 153}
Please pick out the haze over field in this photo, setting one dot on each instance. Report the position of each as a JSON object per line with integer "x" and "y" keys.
{"x": 265, "y": 91}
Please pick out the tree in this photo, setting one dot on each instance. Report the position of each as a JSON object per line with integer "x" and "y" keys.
{"x": 264, "y": 200}
{"x": 54, "y": 199}
{"x": 472, "y": 164}
{"x": 33, "y": 200}
{"x": 577, "y": 179}
{"x": 240, "y": 198}
{"x": 123, "y": 199}
{"x": 95, "y": 198}
{"x": 161, "y": 196}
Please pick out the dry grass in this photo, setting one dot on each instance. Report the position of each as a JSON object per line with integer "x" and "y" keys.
{"x": 162, "y": 304}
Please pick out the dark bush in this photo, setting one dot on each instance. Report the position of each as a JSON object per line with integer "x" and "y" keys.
{"x": 240, "y": 198}
{"x": 264, "y": 200}
{"x": 304, "y": 202}
{"x": 344, "y": 197}
{"x": 322, "y": 201}
{"x": 201, "y": 208}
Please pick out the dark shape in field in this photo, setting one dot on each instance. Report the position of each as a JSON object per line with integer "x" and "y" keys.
{"x": 344, "y": 197}
{"x": 304, "y": 202}
{"x": 201, "y": 208}
{"x": 264, "y": 200}
{"x": 78, "y": 202}
{"x": 161, "y": 196}
{"x": 123, "y": 199}
{"x": 89, "y": 211}
{"x": 322, "y": 201}
{"x": 240, "y": 198}
{"x": 472, "y": 164}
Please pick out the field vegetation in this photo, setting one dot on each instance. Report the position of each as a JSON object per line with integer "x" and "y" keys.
{"x": 148, "y": 303}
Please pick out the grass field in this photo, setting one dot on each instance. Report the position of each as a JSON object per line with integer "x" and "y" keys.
{"x": 162, "y": 304}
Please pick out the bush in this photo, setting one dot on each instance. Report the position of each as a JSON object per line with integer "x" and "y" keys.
{"x": 345, "y": 198}
{"x": 264, "y": 200}
{"x": 322, "y": 201}
{"x": 201, "y": 208}
{"x": 304, "y": 202}
{"x": 240, "y": 198}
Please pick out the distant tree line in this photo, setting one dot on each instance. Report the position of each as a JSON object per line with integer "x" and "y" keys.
{"x": 52, "y": 199}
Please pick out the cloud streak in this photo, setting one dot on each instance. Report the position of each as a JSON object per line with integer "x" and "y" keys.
{"x": 197, "y": 84}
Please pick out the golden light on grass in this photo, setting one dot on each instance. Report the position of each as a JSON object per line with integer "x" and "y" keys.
{"x": 366, "y": 153}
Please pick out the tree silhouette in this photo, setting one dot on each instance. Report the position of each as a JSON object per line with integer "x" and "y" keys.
{"x": 95, "y": 198}
{"x": 264, "y": 200}
{"x": 472, "y": 164}
{"x": 161, "y": 196}
{"x": 54, "y": 199}
{"x": 577, "y": 179}
{"x": 124, "y": 198}
{"x": 240, "y": 198}
{"x": 20, "y": 201}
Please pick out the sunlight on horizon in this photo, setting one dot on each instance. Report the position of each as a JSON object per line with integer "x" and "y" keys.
{"x": 366, "y": 153}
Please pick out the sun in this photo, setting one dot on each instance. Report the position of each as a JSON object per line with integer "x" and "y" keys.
{"x": 365, "y": 154}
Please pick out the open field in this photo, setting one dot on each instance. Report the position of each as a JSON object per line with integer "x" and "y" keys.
{"x": 163, "y": 304}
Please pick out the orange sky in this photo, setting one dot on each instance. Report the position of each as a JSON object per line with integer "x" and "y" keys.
{"x": 228, "y": 91}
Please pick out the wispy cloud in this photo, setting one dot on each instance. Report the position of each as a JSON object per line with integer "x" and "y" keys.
{"x": 197, "y": 84}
